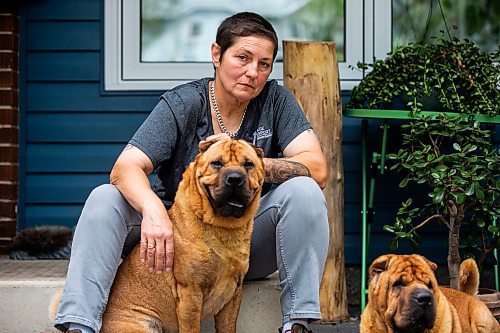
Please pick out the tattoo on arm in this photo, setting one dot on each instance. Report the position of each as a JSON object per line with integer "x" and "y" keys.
{"x": 279, "y": 170}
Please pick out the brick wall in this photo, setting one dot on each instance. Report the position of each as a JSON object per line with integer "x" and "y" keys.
{"x": 9, "y": 122}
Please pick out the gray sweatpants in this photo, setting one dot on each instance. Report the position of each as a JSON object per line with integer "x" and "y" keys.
{"x": 290, "y": 235}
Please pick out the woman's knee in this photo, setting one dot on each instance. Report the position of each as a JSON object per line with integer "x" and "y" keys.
{"x": 304, "y": 192}
{"x": 104, "y": 191}
{"x": 304, "y": 215}
{"x": 305, "y": 205}
{"x": 106, "y": 194}
{"x": 105, "y": 201}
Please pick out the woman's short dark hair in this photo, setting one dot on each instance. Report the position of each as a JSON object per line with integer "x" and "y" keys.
{"x": 241, "y": 25}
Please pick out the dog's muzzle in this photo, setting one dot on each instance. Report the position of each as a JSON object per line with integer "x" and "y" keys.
{"x": 420, "y": 314}
{"x": 233, "y": 194}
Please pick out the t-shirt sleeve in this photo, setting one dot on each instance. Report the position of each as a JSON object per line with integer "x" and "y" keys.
{"x": 157, "y": 135}
{"x": 290, "y": 119}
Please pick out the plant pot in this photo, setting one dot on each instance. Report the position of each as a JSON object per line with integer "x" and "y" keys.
{"x": 491, "y": 298}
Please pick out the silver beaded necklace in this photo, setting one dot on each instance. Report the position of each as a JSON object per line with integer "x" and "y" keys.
{"x": 218, "y": 115}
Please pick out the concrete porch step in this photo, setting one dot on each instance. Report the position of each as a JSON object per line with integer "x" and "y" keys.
{"x": 27, "y": 287}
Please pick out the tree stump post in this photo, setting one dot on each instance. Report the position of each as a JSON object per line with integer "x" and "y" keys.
{"x": 310, "y": 72}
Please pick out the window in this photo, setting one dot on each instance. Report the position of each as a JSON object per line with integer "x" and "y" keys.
{"x": 416, "y": 20}
{"x": 158, "y": 44}
{"x": 191, "y": 27}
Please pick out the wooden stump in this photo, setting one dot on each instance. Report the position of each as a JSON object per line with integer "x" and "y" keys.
{"x": 310, "y": 71}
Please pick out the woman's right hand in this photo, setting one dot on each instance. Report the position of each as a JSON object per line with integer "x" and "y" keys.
{"x": 157, "y": 238}
{"x": 129, "y": 175}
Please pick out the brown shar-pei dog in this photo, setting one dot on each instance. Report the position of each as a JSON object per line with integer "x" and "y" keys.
{"x": 404, "y": 297}
{"x": 213, "y": 220}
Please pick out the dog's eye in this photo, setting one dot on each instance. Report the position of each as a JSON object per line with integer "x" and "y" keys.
{"x": 216, "y": 164}
{"x": 398, "y": 284}
{"x": 429, "y": 285}
{"x": 248, "y": 165}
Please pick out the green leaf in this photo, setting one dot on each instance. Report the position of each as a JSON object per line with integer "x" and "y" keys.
{"x": 388, "y": 228}
{"x": 404, "y": 182}
{"x": 393, "y": 244}
{"x": 494, "y": 229}
{"x": 471, "y": 149}
{"x": 438, "y": 195}
{"x": 456, "y": 146}
{"x": 479, "y": 194}
{"x": 459, "y": 197}
{"x": 441, "y": 168}
{"x": 470, "y": 190}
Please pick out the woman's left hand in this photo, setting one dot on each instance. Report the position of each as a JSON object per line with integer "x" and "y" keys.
{"x": 215, "y": 137}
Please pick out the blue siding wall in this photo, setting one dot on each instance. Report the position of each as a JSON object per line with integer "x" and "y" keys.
{"x": 72, "y": 132}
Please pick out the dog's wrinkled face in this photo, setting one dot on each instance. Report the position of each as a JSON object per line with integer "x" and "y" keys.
{"x": 403, "y": 289}
{"x": 231, "y": 172}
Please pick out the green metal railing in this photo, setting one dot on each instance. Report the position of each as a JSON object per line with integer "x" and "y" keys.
{"x": 405, "y": 115}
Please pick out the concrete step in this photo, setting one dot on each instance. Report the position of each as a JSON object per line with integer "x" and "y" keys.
{"x": 27, "y": 287}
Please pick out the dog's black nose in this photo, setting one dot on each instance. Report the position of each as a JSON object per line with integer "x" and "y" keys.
{"x": 234, "y": 179}
{"x": 423, "y": 298}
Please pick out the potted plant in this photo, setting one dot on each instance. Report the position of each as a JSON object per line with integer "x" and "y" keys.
{"x": 451, "y": 154}
{"x": 442, "y": 76}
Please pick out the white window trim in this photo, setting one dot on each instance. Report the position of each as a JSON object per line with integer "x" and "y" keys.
{"x": 367, "y": 34}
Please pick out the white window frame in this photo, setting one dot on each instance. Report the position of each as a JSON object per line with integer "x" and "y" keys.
{"x": 367, "y": 35}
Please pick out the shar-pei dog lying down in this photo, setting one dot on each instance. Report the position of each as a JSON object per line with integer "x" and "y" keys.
{"x": 404, "y": 297}
{"x": 212, "y": 218}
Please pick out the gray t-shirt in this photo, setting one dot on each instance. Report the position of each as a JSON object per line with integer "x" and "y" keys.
{"x": 182, "y": 118}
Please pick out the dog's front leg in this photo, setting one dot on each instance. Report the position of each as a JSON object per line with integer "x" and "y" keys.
{"x": 189, "y": 306}
{"x": 225, "y": 320}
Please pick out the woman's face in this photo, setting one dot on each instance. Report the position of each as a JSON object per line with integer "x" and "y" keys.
{"x": 245, "y": 66}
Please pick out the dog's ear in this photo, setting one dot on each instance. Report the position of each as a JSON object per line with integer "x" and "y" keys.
{"x": 258, "y": 150}
{"x": 204, "y": 145}
{"x": 379, "y": 265}
{"x": 432, "y": 265}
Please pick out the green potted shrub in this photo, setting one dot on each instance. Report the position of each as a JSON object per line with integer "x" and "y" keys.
{"x": 445, "y": 75}
{"x": 451, "y": 154}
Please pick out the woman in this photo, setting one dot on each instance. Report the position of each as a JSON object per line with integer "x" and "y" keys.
{"x": 238, "y": 102}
